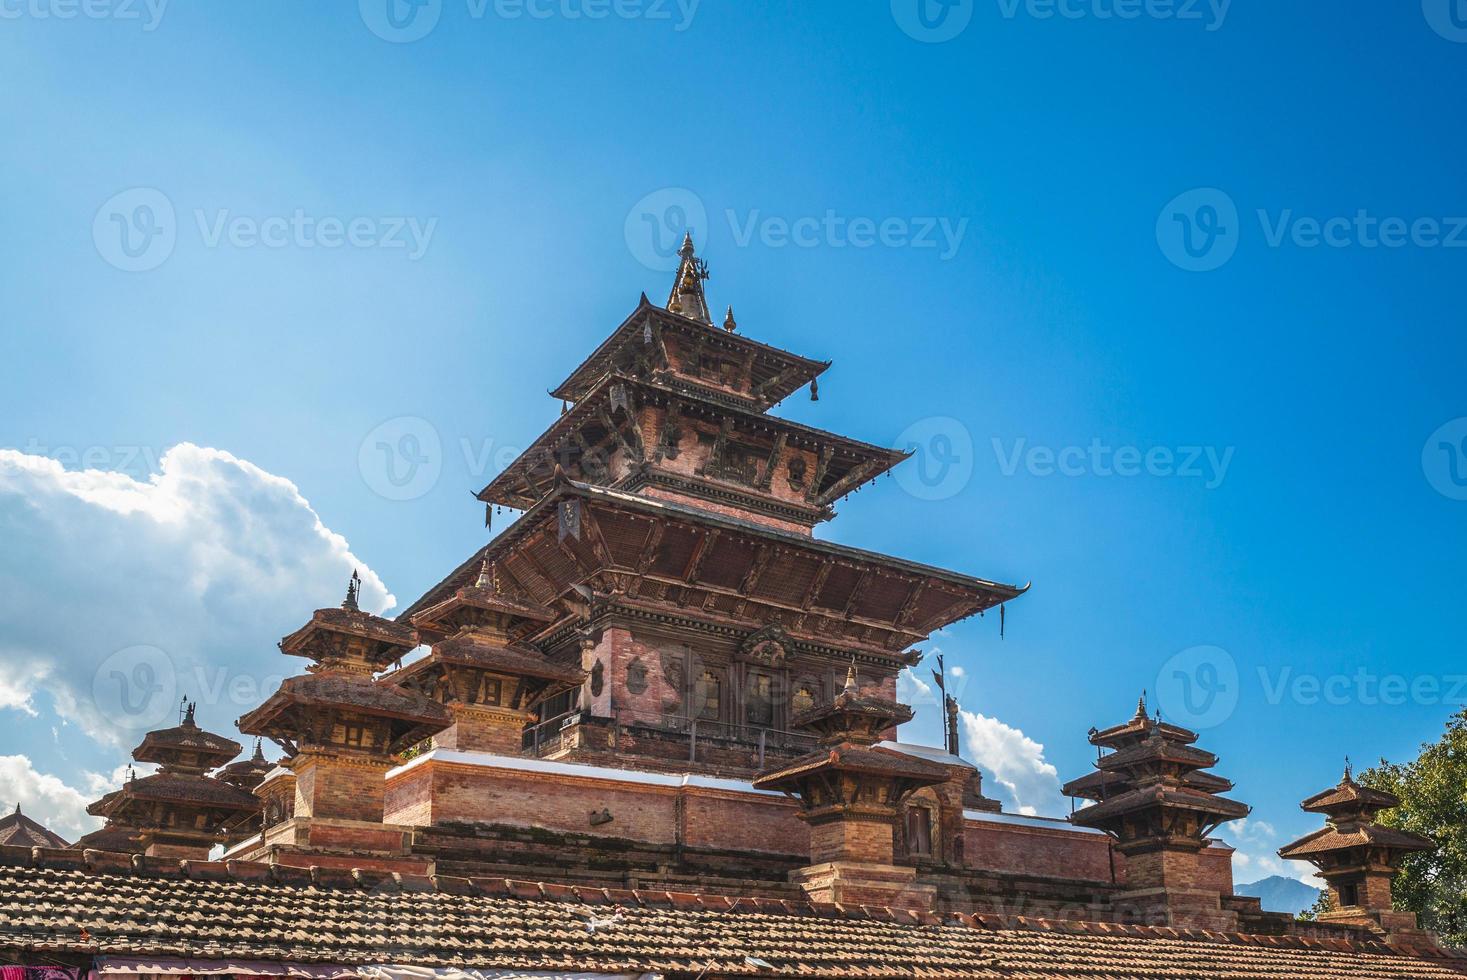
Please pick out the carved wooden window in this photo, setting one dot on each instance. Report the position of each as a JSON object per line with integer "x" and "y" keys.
{"x": 740, "y": 464}
{"x": 355, "y": 735}
{"x": 919, "y": 831}
{"x": 709, "y": 696}
{"x": 759, "y": 705}
{"x": 493, "y": 691}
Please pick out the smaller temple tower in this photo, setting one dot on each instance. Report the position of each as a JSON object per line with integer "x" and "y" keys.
{"x": 1152, "y": 797}
{"x": 342, "y": 729}
{"x": 489, "y": 682}
{"x": 851, "y": 792}
{"x": 178, "y": 811}
{"x": 1356, "y": 856}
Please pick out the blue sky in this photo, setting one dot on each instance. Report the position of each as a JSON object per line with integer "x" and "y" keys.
{"x": 996, "y": 237}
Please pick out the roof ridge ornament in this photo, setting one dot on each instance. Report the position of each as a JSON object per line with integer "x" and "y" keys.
{"x": 729, "y": 323}
{"x": 353, "y": 592}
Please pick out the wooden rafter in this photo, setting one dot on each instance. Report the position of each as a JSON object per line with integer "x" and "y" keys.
{"x": 816, "y": 584}
{"x": 857, "y": 476}
{"x": 700, "y": 552}
{"x": 772, "y": 461}
{"x": 816, "y": 478}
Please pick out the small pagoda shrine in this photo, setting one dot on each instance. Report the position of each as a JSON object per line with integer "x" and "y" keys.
{"x": 19, "y": 830}
{"x": 247, "y": 774}
{"x": 477, "y": 669}
{"x": 1151, "y": 795}
{"x": 851, "y": 791}
{"x": 178, "y": 811}
{"x": 1356, "y": 856}
{"x": 341, "y": 728}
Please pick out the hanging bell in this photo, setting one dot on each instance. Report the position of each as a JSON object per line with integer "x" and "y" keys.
{"x": 814, "y": 389}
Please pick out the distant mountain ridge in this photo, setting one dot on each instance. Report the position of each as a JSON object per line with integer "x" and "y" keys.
{"x": 1280, "y": 894}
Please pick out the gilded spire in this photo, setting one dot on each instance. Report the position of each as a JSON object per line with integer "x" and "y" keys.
{"x": 851, "y": 686}
{"x": 729, "y": 323}
{"x": 687, "y": 289}
{"x": 488, "y": 575}
{"x": 1141, "y": 706}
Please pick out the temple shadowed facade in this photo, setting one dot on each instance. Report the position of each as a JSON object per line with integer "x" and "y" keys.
{"x": 658, "y": 681}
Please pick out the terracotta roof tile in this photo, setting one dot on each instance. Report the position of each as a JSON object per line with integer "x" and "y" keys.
{"x": 217, "y": 910}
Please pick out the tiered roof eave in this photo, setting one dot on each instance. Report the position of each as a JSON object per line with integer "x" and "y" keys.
{"x": 853, "y": 462}
{"x": 798, "y": 371}
{"x": 953, "y": 596}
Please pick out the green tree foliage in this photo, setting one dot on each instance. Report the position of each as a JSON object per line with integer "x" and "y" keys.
{"x": 1321, "y": 905}
{"x": 1433, "y": 792}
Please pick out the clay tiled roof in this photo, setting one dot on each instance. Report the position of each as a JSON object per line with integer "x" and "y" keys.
{"x": 1331, "y": 839}
{"x": 473, "y": 651}
{"x": 170, "y": 788}
{"x": 1350, "y": 794}
{"x": 1102, "y": 785}
{"x": 165, "y": 744}
{"x": 1176, "y": 797}
{"x": 1157, "y": 750}
{"x": 19, "y": 830}
{"x": 857, "y": 759}
{"x": 65, "y": 903}
{"x": 390, "y": 638}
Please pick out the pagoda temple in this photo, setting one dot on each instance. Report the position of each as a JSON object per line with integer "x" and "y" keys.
{"x": 651, "y": 728}
{"x": 1153, "y": 797}
{"x": 1356, "y": 855}
{"x": 179, "y": 810}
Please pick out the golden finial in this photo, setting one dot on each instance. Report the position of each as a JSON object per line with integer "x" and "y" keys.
{"x": 1141, "y": 706}
{"x": 729, "y": 323}
{"x": 687, "y": 250}
{"x": 851, "y": 686}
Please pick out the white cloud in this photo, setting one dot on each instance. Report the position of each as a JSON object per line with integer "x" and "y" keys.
{"x": 118, "y": 595}
{"x": 1015, "y": 762}
{"x": 47, "y": 800}
{"x": 913, "y": 690}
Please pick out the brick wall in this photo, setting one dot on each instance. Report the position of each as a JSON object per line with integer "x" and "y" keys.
{"x": 344, "y": 789}
{"x": 1022, "y": 849}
